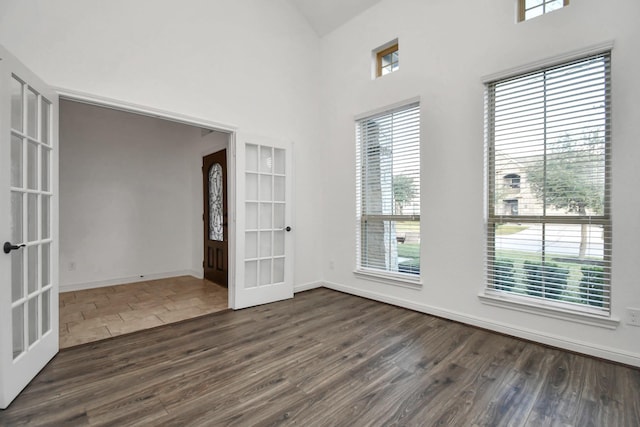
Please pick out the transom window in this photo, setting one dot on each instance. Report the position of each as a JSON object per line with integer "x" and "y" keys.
{"x": 388, "y": 193}
{"x": 528, "y": 9}
{"x": 552, "y": 244}
{"x": 387, "y": 59}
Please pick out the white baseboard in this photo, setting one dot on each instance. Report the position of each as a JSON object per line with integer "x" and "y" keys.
{"x": 126, "y": 280}
{"x": 307, "y": 286}
{"x": 612, "y": 354}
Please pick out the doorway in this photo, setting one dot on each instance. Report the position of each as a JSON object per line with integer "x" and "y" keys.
{"x": 216, "y": 234}
{"x": 139, "y": 177}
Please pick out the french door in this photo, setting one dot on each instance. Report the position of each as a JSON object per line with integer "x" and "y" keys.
{"x": 28, "y": 226}
{"x": 264, "y": 232}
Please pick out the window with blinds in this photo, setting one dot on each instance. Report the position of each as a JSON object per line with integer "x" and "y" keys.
{"x": 388, "y": 192}
{"x": 549, "y": 218}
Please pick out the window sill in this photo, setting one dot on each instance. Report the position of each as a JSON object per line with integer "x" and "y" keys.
{"x": 411, "y": 281}
{"x": 497, "y": 300}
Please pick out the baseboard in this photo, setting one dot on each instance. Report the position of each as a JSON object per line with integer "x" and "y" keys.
{"x": 307, "y": 286}
{"x": 198, "y": 274}
{"x": 126, "y": 280}
{"x": 612, "y": 354}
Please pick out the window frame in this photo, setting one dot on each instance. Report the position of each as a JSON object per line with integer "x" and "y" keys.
{"x": 410, "y": 280}
{"x": 581, "y": 313}
{"x": 522, "y": 9}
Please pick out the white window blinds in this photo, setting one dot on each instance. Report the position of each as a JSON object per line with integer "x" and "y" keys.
{"x": 388, "y": 191}
{"x": 549, "y": 218}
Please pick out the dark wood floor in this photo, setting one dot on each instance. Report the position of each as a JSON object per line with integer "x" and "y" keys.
{"x": 325, "y": 359}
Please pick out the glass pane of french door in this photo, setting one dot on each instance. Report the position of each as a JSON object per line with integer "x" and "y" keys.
{"x": 30, "y": 220}
{"x": 265, "y": 179}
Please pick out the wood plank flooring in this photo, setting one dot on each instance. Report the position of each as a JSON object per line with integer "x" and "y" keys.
{"x": 325, "y": 359}
{"x": 94, "y": 314}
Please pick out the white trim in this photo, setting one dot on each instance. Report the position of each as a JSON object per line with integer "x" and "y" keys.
{"x": 127, "y": 280}
{"x": 608, "y": 353}
{"x": 144, "y": 110}
{"x": 397, "y": 279}
{"x": 307, "y": 286}
{"x": 231, "y": 220}
{"x": 550, "y": 62}
{"x": 387, "y": 108}
{"x": 555, "y": 312}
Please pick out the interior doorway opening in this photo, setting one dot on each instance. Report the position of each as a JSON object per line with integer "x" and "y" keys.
{"x": 131, "y": 206}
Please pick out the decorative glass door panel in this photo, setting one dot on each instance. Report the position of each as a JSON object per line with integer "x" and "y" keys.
{"x": 216, "y": 214}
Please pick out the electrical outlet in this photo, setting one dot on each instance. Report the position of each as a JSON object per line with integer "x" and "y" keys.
{"x": 633, "y": 316}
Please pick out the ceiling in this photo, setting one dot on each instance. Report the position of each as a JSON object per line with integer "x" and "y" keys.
{"x": 327, "y": 15}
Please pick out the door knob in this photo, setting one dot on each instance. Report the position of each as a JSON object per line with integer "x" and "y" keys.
{"x": 287, "y": 228}
{"x": 8, "y": 247}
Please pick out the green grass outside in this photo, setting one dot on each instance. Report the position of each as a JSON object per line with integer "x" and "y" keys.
{"x": 506, "y": 229}
{"x": 410, "y": 250}
{"x": 405, "y": 226}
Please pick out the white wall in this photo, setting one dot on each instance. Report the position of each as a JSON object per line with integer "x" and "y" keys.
{"x": 445, "y": 50}
{"x": 130, "y": 200}
{"x": 252, "y": 64}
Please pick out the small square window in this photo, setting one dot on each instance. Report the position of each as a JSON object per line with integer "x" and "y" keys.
{"x": 528, "y": 9}
{"x": 387, "y": 59}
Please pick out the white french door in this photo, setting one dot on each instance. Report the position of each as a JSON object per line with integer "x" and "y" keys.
{"x": 264, "y": 232}
{"x": 28, "y": 226}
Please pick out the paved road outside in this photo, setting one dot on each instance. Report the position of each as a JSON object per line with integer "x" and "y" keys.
{"x": 562, "y": 240}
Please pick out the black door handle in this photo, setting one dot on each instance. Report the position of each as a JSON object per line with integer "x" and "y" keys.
{"x": 287, "y": 228}
{"x": 8, "y": 247}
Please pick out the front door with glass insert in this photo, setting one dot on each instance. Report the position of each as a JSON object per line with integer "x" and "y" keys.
{"x": 28, "y": 231}
{"x": 216, "y": 240}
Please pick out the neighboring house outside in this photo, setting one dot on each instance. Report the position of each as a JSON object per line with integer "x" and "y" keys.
{"x": 514, "y": 195}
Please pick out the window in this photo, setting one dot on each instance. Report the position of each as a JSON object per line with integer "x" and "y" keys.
{"x": 511, "y": 207}
{"x": 387, "y": 59}
{"x": 528, "y": 9}
{"x": 388, "y": 193}
{"x": 551, "y": 245}
{"x": 512, "y": 180}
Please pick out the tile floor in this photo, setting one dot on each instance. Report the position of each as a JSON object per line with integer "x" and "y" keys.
{"x": 94, "y": 314}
